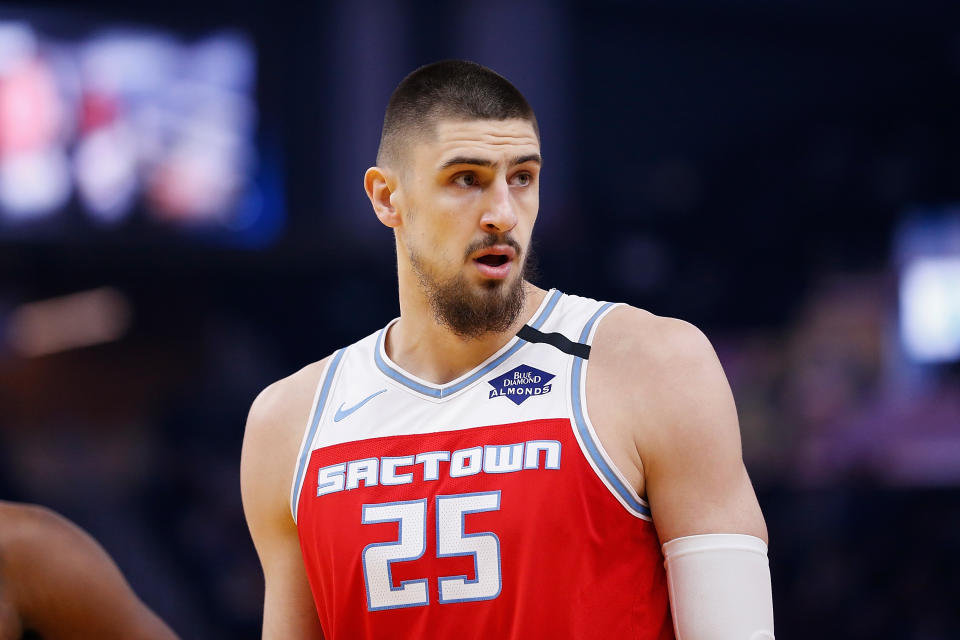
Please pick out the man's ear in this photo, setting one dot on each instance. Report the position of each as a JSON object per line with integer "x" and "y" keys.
{"x": 381, "y": 185}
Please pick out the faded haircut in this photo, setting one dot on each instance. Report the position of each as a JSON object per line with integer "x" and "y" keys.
{"x": 449, "y": 89}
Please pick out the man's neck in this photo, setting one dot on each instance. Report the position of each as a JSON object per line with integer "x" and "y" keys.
{"x": 418, "y": 343}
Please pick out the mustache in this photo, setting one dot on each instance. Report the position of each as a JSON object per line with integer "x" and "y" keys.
{"x": 491, "y": 240}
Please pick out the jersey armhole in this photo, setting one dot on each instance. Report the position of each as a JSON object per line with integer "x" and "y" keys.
{"x": 586, "y": 435}
{"x": 310, "y": 429}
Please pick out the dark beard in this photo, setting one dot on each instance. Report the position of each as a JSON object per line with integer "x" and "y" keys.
{"x": 471, "y": 313}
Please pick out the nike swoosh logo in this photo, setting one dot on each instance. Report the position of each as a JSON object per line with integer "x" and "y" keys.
{"x": 343, "y": 413}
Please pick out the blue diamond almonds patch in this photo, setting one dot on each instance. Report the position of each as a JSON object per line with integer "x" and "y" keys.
{"x": 521, "y": 383}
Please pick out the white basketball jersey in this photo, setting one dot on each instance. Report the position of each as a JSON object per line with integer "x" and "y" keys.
{"x": 422, "y": 506}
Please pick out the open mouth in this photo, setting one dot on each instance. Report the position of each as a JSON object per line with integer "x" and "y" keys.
{"x": 493, "y": 259}
{"x": 495, "y": 262}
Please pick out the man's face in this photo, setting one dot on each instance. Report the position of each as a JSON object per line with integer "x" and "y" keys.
{"x": 469, "y": 201}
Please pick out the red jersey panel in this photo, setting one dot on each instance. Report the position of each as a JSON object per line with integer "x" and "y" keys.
{"x": 497, "y": 532}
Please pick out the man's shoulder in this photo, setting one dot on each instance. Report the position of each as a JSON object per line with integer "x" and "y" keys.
{"x": 275, "y": 427}
{"x": 26, "y": 523}
{"x": 32, "y": 535}
{"x": 655, "y": 365}
{"x": 657, "y": 344}
{"x": 286, "y": 400}
{"x": 665, "y": 375}
{"x": 31, "y": 524}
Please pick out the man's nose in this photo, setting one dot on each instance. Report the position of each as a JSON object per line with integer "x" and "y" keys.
{"x": 499, "y": 216}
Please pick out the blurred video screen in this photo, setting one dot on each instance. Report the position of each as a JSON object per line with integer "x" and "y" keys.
{"x": 928, "y": 248}
{"x": 930, "y": 309}
{"x": 118, "y": 132}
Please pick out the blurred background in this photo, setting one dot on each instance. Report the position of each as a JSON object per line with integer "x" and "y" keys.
{"x": 182, "y": 222}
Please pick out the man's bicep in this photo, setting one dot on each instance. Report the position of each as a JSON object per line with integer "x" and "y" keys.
{"x": 288, "y": 607}
{"x": 266, "y": 469}
{"x": 695, "y": 479}
{"x": 703, "y": 504}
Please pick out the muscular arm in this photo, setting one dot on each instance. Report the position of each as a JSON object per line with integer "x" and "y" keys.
{"x": 62, "y": 584}
{"x": 661, "y": 394}
{"x": 274, "y": 429}
{"x": 668, "y": 415}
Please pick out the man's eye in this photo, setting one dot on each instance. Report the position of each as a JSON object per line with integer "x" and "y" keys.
{"x": 466, "y": 180}
{"x": 523, "y": 179}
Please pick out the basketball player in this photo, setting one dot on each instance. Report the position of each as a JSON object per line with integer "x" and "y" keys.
{"x": 500, "y": 461}
{"x": 57, "y": 583}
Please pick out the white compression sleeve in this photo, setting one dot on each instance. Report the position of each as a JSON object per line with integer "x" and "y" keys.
{"x": 719, "y": 587}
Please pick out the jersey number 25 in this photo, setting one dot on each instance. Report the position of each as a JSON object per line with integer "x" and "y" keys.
{"x": 412, "y": 543}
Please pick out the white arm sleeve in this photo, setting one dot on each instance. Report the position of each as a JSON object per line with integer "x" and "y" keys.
{"x": 719, "y": 587}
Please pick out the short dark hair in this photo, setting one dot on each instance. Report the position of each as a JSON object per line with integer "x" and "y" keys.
{"x": 454, "y": 89}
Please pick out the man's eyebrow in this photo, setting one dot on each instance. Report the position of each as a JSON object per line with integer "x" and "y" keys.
{"x": 481, "y": 162}
{"x": 533, "y": 157}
